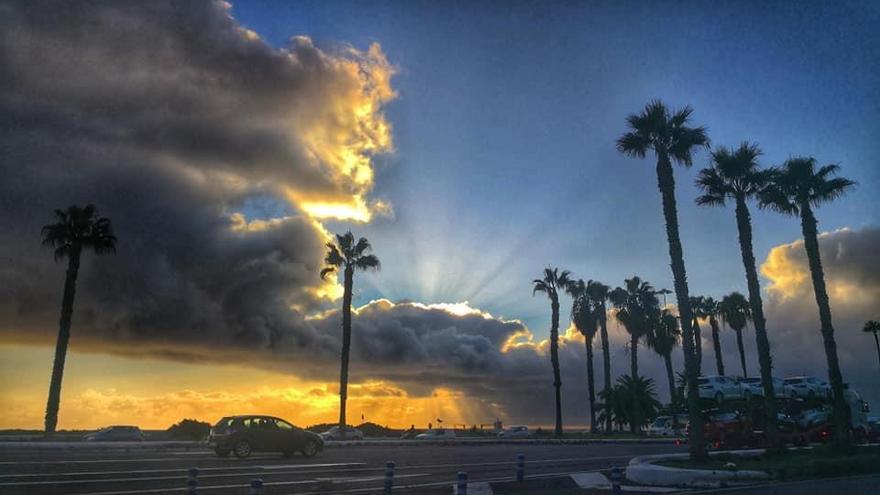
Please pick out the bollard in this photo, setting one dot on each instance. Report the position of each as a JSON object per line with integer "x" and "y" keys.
{"x": 461, "y": 486}
{"x": 616, "y": 477}
{"x": 389, "y": 477}
{"x": 256, "y": 486}
{"x": 192, "y": 481}
{"x": 520, "y": 467}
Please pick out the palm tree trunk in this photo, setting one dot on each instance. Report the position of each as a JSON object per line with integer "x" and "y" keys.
{"x": 346, "y": 345}
{"x": 554, "y": 360}
{"x": 591, "y": 386}
{"x": 765, "y": 360}
{"x": 698, "y": 345}
{"x": 742, "y": 352}
{"x": 811, "y": 243}
{"x": 606, "y": 358}
{"x": 716, "y": 343}
{"x": 671, "y": 377}
{"x": 666, "y": 184}
{"x": 877, "y": 342}
{"x": 634, "y": 355}
{"x": 54, "y": 400}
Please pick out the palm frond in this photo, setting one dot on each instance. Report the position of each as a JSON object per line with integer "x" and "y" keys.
{"x": 326, "y": 271}
{"x": 368, "y": 262}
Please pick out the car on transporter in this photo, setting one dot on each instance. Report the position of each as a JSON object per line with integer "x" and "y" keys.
{"x": 243, "y": 435}
{"x": 721, "y": 388}
{"x": 755, "y": 387}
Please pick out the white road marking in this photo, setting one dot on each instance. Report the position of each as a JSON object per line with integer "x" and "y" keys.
{"x": 183, "y": 470}
{"x": 224, "y": 487}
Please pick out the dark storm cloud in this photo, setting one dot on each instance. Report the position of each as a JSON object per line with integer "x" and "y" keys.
{"x": 169, "y": 116}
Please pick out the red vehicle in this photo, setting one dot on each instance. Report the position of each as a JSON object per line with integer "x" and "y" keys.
{"x": 727, "y": 430}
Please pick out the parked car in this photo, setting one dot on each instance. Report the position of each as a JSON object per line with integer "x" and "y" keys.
{"x": 813, "y": 417}
{"x": 755, "y": 387}
{"x": 335, "y": 433}
{"x": 807, "y": 387}
{"x": 661, "y": 427}
{"x": 515, "y": 432}
{"x": 116, "y": 434}
{"x": 719, "y": 388}
{"x": 243, "y": 435}
{"x": 436, "y": 434}
{"x": 727, "y": 429}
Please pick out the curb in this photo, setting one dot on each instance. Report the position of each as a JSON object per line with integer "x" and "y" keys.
{"x": 643, "y": 471}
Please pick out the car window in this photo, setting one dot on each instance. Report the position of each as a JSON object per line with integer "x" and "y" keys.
{"x": 224, "y": 422}
{"x": 284, "y": 425}
{"x": 703, "y": 381}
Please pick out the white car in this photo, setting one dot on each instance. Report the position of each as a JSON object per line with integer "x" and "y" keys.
{"x": 719, "y": 388}
{"x": 661, "y": 427}
{"x": 515, "y": 432}
{"x": 813, "y": 417}
{"x": 807, "y": 387}
{"x": 436, "y": 434}
{"x": 755, "y": 388}
{"x": 336, "y": 434}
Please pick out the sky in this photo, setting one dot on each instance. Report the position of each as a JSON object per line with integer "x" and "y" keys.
{"x": 471, "y": 142}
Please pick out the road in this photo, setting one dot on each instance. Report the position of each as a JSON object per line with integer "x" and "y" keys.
{"x": 428, "y": 469}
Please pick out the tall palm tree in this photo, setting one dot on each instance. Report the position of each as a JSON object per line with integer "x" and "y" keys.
{"x": 551, "y": 284}
{"x": 735, "y": 175}
{"x": 795, "y": 189}
{"x": 636, "y": 304}
{"x": 711, "y": 308}
{"x": 697, "y": 311}
{"x": 663, "y": 336}
{"x": 737, "y": 313}
{"x": 584, "y": 319}
{"x": 873, "y": 326}
{"x": 74, "y": 229}
{"x": 598, "y": 294}
{"x": 671, "y": 139}
{"x": 347, "y": 255}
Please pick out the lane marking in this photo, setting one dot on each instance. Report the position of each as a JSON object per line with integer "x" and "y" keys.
{"x": 183, "y": 470}
{"x": 181, "y": 475}
{"x": 272, "y": 483}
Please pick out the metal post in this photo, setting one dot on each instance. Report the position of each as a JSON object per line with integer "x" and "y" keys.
{"x": 192, "y": 481}
{"x": 389, "y": 477}
{"x": 520, "y": 467}
{"x": 256, "y": 486}
{"x": 616, "y": 478}
{"x": 461, "y": 487}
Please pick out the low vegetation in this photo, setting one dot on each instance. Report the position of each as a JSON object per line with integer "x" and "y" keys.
{"x": 816, "y": 462}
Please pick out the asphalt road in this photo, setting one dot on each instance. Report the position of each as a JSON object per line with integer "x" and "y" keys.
{"x": 421, "y": 469}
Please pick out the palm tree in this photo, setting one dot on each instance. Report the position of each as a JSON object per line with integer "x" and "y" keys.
{"x": 737, "y": 313}
{"x": 672, "y": 140}
{"x": 697, "y": 309}
{"x": 584, "y": 319}
{"x": 663, "y": 337}
{"x": 638, "y": 400}
{"x": 795, "y": 189}
{"x": 598, "y": 294}
{"x": 635, "y": 303}
{"x": 347, "y": 255}
{"x": 613, "y": 408}
{"x": 635, "y": 306}
{"x": 552, "y": 282}
{"x": 75, "y": 229}
{"x": 711, "y": 308}
{"x": 735, "y": 175}
{"x": 873, "y": 326}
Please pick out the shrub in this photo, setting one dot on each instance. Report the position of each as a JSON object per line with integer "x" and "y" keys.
{"x": 189, "y": 429}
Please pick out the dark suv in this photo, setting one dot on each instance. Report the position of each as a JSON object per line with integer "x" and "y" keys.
{"x": 242, "y": 435}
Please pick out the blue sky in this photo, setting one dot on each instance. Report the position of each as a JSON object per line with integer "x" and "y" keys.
{"x": 506, "y": 118}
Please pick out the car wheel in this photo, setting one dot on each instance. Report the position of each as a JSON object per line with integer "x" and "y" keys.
{"x": 221, "y": 452}
{"x": 242, "y": 449}
{"x": 310, "y": 449}
{"x": 719, "y": 397}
